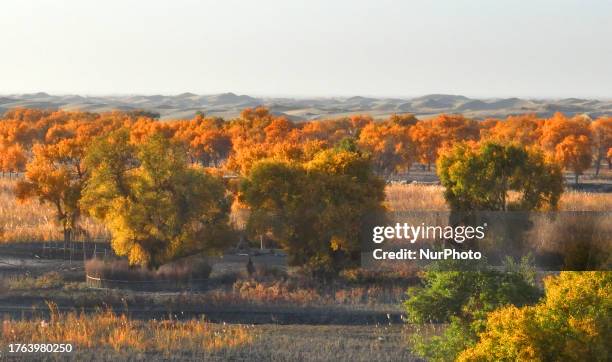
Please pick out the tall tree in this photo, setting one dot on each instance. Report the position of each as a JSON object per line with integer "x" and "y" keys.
{"x": 56, "y": 175}
{"x": 575, "y": 153}
{"x": 480, "y": 177}
{"x": 156, "y": 206}
{"x": 315, "y": 209}
{"x": 602, "y": 139}
{"x": 390, "y": 146}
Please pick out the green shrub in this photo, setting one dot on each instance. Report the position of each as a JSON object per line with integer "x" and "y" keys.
{"x": 462, "y": 295}
{"x": 572, "y": 323}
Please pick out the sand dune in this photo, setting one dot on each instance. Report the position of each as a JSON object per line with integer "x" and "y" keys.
{"x": 186, "y": 105}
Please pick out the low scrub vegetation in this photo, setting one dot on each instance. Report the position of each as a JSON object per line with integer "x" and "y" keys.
{"x": 415, "y": 197}
{"x": 49, "y": 280}
{"x": 461, "y": 294}
{"x": 293, "y": 292}
{"x": 119, "y": 333}
{"x": 492, "y": 315}
{"x": 31, "y": 221}
{"x": 181, "y": 270}
{"x": 27, "y": 222}
{"x": 571, "y": 323}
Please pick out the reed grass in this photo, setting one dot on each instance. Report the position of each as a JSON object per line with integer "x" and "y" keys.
{"x": 431, "y": 198}
{"x": 32, "y": 221}
{"x": 105, "y": 329}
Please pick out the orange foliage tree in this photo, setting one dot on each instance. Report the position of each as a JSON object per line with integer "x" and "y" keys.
{"x": 525, "y": 130}
{"x": 574, "y": 153}
{"x": 432, "y": 135}
{"x": 56, "y": 175}
{"x": 12, "y": 159}
{"x": 602, "y": 139}
{"x": 389, "y": 145}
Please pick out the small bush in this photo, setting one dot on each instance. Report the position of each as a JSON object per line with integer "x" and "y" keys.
{"x": 399, "y": 277}
{"x": 49, "y": 280}
{"x": 182, "y": 270}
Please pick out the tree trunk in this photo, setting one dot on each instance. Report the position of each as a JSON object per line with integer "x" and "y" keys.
{"x": 67, "y": 236}
{"x": 598, "y": 164}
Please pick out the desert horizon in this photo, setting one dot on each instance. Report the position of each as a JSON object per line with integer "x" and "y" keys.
{"x": 186, "y": 105}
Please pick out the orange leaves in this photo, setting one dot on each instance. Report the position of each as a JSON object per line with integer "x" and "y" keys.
{"x": 601, "y": 129}
{"x": 569, "y": 141}
{"x": 556, "y": 128}
{"x": 390, "y": 146}
{"x": 574, "y": 153}
{"x": 278, "y": 130}
{"x": 427, "y": 141}
{"x": 12, "y": 158}
{"x": 524, "y": 129}
{"x": 394, "y": 144}
{"x": 602, "y": 140}
{"x": 433, "y": 134}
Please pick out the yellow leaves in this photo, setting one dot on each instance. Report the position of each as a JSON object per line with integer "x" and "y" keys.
{"x": 137, "y": 255}
{"x": 571, "y": 323}
{"x": 156, "y": 206}
{"x": 338, "y": 243}
{"x": 586, "y": 326}
{"x": 508, "y": 336}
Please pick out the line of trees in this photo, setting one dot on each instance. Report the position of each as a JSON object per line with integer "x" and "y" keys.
{"x": 394, "y": 144}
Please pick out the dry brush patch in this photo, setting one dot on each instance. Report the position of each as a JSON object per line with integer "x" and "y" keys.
{"x": 181, "y": 270}
{"x": 415, "y": 198}
{"x": 49, "y": 280}
{"x": 585, "y": 201}
{"x": 289, "y": 292}
{"x": 353, "y": 288}
{"x": 119, "y": 333}
{"x": 32, "y": 221}
{"x": 431, "y": 198}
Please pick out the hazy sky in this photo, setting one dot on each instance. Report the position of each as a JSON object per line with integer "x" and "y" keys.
{"x": 483, "y": 48}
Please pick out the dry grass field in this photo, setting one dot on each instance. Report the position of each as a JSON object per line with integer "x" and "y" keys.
{"x": 31, "y": 221}
{"x": 106, "y": 330}
{"x": 108, "y": 336}
{"x": 152, "y": 326}
{"x": 415, "y": 197}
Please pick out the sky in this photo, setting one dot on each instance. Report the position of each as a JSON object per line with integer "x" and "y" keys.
{"x": 403, "y": 48}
